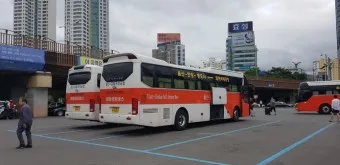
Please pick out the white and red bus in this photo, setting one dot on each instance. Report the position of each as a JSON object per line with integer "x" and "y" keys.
{"x": 83, "y": 92}
{"x": 145, "y": 91}
{"x": 316, "y": 96}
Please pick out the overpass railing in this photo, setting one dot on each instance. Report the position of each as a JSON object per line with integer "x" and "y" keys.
{"x": 38, "y": 42}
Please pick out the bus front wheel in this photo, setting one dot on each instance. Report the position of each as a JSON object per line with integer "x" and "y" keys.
{"x": 181, "y": 120}
{"x": 325, "y": 109}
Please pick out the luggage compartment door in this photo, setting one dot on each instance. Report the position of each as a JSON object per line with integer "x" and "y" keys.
{"x": 219, "y": 96}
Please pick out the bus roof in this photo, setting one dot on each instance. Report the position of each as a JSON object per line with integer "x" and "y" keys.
{"x": 322, "y": 83}
{"x": 86, "y": 65}
{"x": 150, "y": 60}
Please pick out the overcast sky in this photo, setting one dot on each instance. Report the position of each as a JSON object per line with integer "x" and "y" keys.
{"x": 285, "y": 30}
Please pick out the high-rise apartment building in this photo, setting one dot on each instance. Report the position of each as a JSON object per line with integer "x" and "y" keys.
{"x": 171, "y": 53}
{"x": 170, "y": 49}
{"x": 326, "y": 72}
{"x": 337, "y": 16}
{"x": 35, "y": 18}
{"x": 87, "y": 23}
{"x": 215, "y": 64}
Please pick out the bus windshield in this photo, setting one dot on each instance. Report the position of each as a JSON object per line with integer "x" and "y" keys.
{"x": 79, "y": 78}
{"x": 304, "y": 95}
{"x": 117, "y": 71}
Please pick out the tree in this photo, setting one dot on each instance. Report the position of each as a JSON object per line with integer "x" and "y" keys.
{"x": 251, "y": 72}
{"x": 277, "y": 72}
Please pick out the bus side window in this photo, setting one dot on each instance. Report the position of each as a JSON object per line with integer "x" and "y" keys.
{"x": 98, "y": 79}
{"x": 233, "y": 88}
{"x": 148, "y": 74}
{"x": 205, "y": 85}
{"x": 199, "y": 85}
{"x": 329, "y": 92}
{"x": 191, "y": 84}
{"x": 335, "y": 92}
{"x": 164, "y": 77}
{"x": 190, "y": 80}
{"x": 179, "y": 80}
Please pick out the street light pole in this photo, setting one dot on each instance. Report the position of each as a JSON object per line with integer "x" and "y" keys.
{"x": 68, "y": 42}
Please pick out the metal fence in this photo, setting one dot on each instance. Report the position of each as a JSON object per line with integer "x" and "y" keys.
{"x": 38, "y": 42}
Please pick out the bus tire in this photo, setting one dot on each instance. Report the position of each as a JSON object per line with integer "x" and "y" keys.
{"x": 60, "y": 113}
{"x": 325, "y": 109}
{"x": 236, "y": 114}
{"x": 181, "y": 120}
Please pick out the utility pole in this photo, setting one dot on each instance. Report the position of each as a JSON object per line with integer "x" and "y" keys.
{"x": 326, "y": 66}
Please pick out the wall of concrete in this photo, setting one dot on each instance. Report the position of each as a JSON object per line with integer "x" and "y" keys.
{"x": 37, "y": 99}
{"x": 37, "y": 93}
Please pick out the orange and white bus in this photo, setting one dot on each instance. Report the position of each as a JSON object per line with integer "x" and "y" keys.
{"x": 316, "y": 96}
{"x": 145, "y": 91}
{"x": 83, "y": 92}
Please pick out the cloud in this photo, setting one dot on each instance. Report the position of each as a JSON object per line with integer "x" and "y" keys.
{"x": 285, "y": 30}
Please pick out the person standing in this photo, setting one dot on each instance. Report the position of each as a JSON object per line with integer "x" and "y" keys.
{"x": 335, "y": 108}
{"x": 251, "y": 104}
{"x": 272, "y": 105}
{"x": 24, "y": 124}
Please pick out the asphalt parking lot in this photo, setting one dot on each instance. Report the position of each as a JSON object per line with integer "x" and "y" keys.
{"x": 288, "y": 138}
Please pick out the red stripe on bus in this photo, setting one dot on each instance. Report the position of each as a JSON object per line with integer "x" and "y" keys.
{"x": 82, "y": 97}
{"x": 169, "y": 96}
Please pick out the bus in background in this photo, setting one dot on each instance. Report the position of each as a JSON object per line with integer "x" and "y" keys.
{"x": 316, "y": 96}
{"x": 83, "y": 92}
{"x": 145, "y": 91}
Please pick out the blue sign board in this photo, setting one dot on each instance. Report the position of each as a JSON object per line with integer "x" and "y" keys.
{"x": 238, "y": 27}
{"x": 244, "y": 67}
{"x": 17, "y": 58}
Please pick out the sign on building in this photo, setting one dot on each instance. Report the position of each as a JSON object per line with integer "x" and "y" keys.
{"x": 238, "y": 27}
{"x": 243, "y": 39}
{"x": 90, "y": 61}
{"x": 168, "y": 38}
{"x": 17, "y": 58}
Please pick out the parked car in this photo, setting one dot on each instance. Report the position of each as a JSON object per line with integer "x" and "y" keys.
{"x": 2, "y": 106}
{"x": 56, "y": 109}
{"x": 282, "y": 104}
{"x": 256, "y": 105}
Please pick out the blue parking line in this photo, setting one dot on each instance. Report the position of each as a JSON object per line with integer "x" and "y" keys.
{"x": 55, "y": 133}
{"x": 296, "y": 144}
{"x": 210, "y": 136}
{"x": 130, "y": 149}
{"x": 103, "y": 138}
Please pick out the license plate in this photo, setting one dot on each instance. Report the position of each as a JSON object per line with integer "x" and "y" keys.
{"x": 76, "y": 108}
{"x": 115, "y": 109}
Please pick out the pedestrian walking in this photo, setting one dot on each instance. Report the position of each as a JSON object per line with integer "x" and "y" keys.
{"x": 272, "y": 105}
{"x": 335, "y": 108}
{"x": 24, "y": 124}
{"x": 251, "y": 103}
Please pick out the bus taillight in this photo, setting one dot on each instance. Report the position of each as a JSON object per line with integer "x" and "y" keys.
{"x": 134, "y": 106}
{"x": 92, "y": 102}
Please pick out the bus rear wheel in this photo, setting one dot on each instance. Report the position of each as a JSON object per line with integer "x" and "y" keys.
{"x": 181, "y": 120}
{"x": 325, "y": 109}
